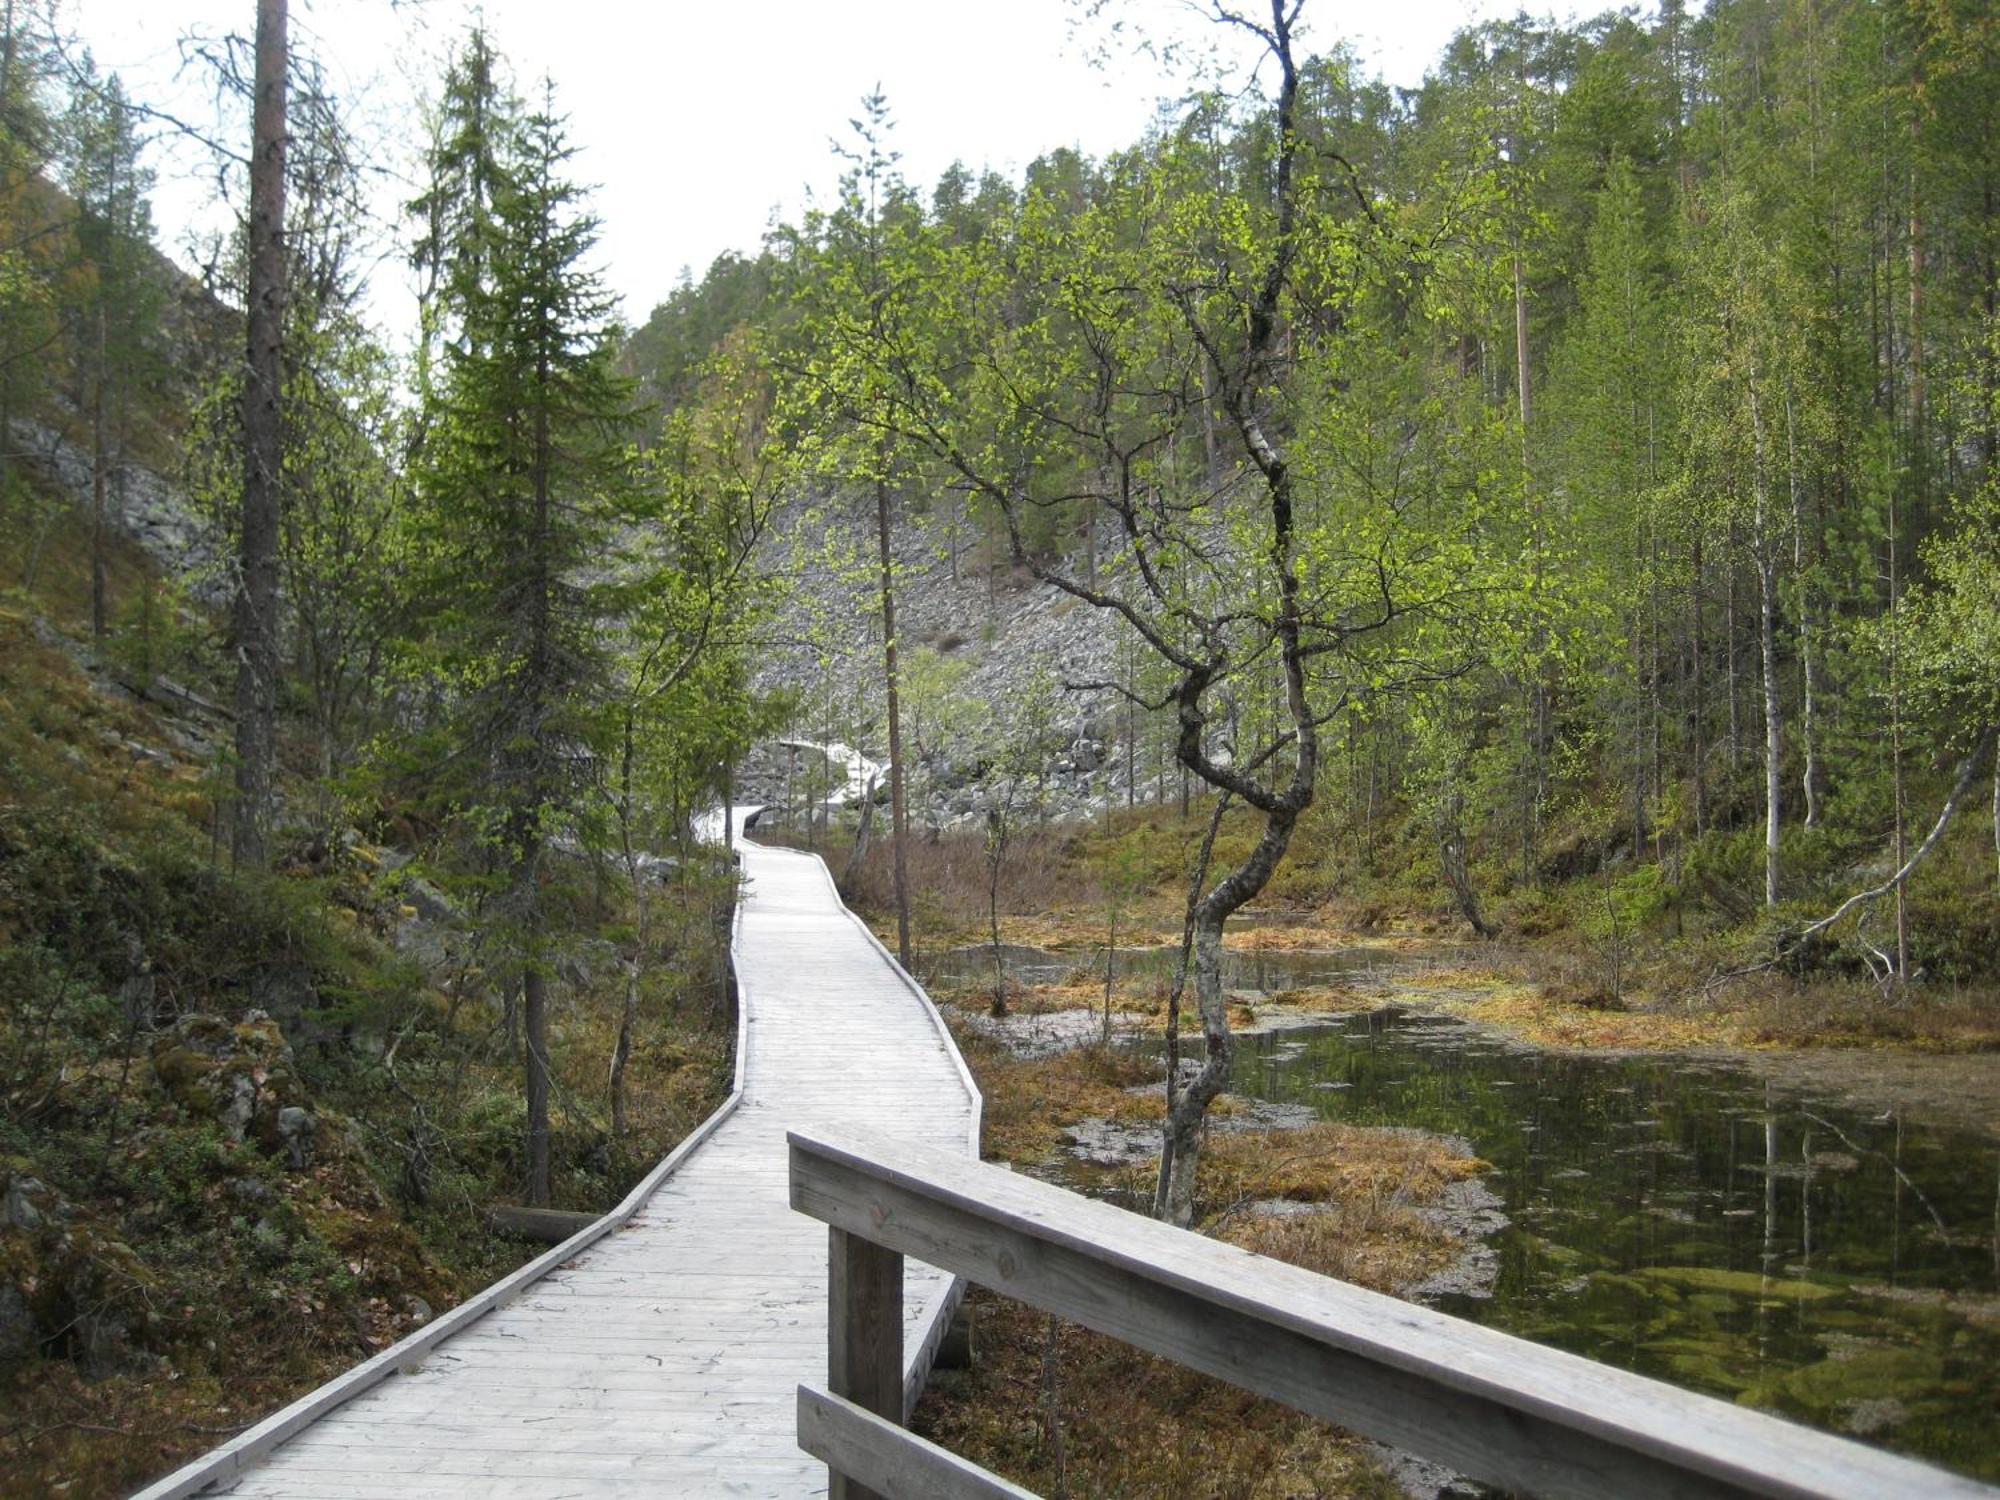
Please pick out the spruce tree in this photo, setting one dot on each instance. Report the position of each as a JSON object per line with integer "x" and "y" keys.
{"x": 524, "y": 477}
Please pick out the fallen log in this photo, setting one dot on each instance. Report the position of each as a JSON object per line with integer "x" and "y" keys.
{"x": 549, "y": 1226}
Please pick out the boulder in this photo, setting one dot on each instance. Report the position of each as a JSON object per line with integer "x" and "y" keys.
{"x": 67, "y": 1284}
{"x": 297, "y": 1129}
{"x": 240, "y": 1074}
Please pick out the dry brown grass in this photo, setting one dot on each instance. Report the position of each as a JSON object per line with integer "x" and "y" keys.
{"x": 1029, "y": 1102}
{"x": 1131, "y": 1425}
{"x": 948, "y": 880}
{"x": 1386, "y": 1246}
{"x": 1783, "y": 1014}
{"x": 1519, "y": 992}
{"x": 1134, "y": 1425}
{"x": 1549, "y": 1020}
{"x": 1321, "y": 935}
{"x": 1349, "y": 1165}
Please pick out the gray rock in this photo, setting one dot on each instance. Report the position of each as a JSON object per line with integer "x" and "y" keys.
{"x": 579, "y": 965}
{"x": 18, "y": 1210}
{"x": 241, "y": 1108}
{"x": 18, "y": 1336}
{"x": 432, "y": 905}
{"x": 1107, "y": 1143}
{"x": 144, "y": 505}
{"x": 297, "y": 1128}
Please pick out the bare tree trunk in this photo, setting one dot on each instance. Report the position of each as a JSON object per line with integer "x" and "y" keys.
{"x": 1208, "y": 449}
{"x": 996, "y": 858}
{"x": 1767, "y": 641}
{"x": 1808, "y": 684}
{"x": 1052, "y": 1430}
{"x": 1731, "y": 680}
{"x": 1131, "y": 733}
{"x": 1182, "y": 1145}
{"x": 1699, "y": 662}
{"x": 256, "y": 622}
{"x": 535, "y": 1017}
{"x": 1090, "y": 547}
{"x": 898, "y": 806}
{"x": 1521, "y": 355}
{"x": 621, "y": 1051}
{"x": 1920, "y": 487}
{"x": 1896, "y": 736}
{"x": 99, "y": 540}
{"x": 1451, "y": 859}
{"x": 952, "y": 539}
{"x": 864, "y": 833}
{"x": 1110, "y": 968}
{"x": 1655, "y": 710}
{"x": 992, "y": 570}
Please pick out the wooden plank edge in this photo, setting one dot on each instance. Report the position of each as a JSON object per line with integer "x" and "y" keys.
{"x": 932, "y": 1327}
{"x": 235, "y": 1457}
{"x": 890, "y": 1460}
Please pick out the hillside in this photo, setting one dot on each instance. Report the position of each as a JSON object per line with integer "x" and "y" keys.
{"x": 250, "y": 1126}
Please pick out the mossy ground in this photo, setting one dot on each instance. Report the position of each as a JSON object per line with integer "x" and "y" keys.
{"x": 172, "y": 1265}
{"x": 1126, "y": 1423}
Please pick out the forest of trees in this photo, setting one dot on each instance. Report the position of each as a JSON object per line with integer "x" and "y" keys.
{"x": 1705, "y": 305}
{"x": 1589, "y": 453}
{"x": 1586, "y": 459}
{"x": 1583, "y": 464}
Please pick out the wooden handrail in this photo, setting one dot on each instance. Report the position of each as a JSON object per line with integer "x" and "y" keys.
{"x": 1500, "y": 1409}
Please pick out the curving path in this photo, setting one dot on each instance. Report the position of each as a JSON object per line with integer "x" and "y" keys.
{"x": 659, "y": 1354}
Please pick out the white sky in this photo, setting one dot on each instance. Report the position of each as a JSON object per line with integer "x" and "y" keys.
{"x": 697, "y": 120}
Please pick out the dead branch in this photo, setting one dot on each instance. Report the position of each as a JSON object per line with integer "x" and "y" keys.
{"x": 1967, "y": 769}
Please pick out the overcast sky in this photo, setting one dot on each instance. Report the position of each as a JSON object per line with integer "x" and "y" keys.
{"x": 697, "y": 120}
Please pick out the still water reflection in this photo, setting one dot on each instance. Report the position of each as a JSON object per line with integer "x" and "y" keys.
{"x": 1673, "y": 1217}
{"x": 1681, "y": 1220}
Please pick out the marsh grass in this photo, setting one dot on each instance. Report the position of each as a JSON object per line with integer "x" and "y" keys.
{"x": 1134, "y": 1425}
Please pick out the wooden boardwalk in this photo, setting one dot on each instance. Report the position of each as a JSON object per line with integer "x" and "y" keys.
{"x": 661, "y": 1359}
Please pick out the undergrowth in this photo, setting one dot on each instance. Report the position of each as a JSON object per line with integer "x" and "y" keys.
{"x": 250, "y": 1128}
{"x": 1064, "y": 1410}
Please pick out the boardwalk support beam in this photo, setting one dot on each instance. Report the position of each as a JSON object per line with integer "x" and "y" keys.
{"x": 864, "y": 1334}
{"x": 894, "y": 1464}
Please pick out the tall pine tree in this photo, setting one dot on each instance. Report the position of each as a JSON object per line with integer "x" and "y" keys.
{"x": 524, "y": 477}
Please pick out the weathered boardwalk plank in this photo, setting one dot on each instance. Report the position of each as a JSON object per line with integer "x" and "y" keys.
{"x": 664, "y": 1358}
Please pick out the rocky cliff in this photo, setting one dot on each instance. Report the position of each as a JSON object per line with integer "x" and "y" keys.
{"x": 1005, "y": 697}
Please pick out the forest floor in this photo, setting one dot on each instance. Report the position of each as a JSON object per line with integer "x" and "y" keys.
{"x": 250, "y": 1128}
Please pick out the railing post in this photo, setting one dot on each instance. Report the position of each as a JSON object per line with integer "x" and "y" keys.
{"x": 864, "y": 1334}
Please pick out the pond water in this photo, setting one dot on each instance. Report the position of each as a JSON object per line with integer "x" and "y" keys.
{"x": 1682, "y": 1220}
{"x": 1276, "y": 969}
